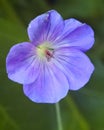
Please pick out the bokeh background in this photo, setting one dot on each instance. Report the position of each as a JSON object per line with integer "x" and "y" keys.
{"x": 80, "y": 110}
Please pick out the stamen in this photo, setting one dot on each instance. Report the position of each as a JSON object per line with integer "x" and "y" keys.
{"x": 45, "y": 51}
{"x": 49, "y": 54}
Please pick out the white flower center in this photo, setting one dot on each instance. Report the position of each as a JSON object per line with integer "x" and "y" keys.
{"x": 45, "y": 50}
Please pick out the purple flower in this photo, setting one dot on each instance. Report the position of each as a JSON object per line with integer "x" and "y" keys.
{"x": 53, "y": 62}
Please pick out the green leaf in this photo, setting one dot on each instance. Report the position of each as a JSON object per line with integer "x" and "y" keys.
{"x": 6, "y": 123}
{"x": 79, "y": 8}
{"x": 9, "y": 11}
{"x": 12, "y": 31}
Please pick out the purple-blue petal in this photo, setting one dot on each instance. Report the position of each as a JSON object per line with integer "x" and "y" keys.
{"x": 69, "y": 26}
{"x": 68, "y": 68}
{"x": 75, "y": 65}
{"x": 45, "y": 27}
{"x": 80, "y": 36}
{"x": 22, "y": 64}
{"x": 50, "y": 86}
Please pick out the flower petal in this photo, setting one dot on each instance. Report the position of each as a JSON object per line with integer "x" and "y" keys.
{"x": 45, "y": 27}
{"x": 21, "y": 63}
{"x": 70, "y": 25}
{"x": 50, "y": 86}
{"x": 75, "y": 65}
{"x": 81, "y": 37}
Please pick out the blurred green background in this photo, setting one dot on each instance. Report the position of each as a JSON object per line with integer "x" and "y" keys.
{"x": 80, "y": 110}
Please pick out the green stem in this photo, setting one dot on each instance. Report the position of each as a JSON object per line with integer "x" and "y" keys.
{"x": 58, "y": 114}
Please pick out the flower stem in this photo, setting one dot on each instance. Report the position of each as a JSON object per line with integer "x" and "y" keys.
{"x": 58, "y": 114}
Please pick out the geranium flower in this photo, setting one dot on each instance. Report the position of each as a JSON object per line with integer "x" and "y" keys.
{"x": 53, "y": 62}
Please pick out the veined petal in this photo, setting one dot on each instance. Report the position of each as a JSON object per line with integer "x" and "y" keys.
{"x": 45, "y": 27}
{"x": 81, "y": 37}
{"x": 21, "y": 63}
{"x": 50, "y": 87}
{"x": 75, "y": 65}
{"x": 70, "y": 25}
